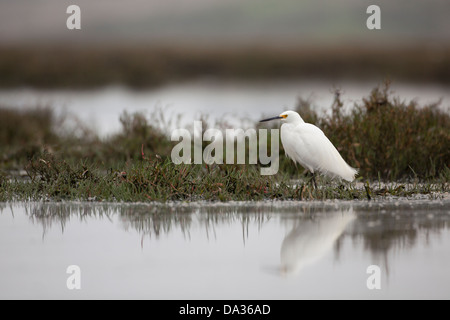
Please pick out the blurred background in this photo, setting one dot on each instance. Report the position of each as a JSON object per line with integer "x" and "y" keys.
{"x": 223, "y": 59}
{"x": 219, "y": 23}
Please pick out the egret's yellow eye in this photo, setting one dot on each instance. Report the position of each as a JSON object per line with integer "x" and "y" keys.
{"x": 284, "y": 116}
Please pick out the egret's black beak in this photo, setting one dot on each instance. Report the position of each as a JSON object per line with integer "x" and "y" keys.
{"x": 273, "y": 118}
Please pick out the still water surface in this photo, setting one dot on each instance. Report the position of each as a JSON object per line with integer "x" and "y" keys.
{"x": 265, "y": 250}
{"x": 239, "y": 104}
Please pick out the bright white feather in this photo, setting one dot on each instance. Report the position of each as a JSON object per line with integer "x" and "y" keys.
{"x": 307, "y": 144}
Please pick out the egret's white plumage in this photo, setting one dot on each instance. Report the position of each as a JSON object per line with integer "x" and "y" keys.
{"x": 307, "y": 144}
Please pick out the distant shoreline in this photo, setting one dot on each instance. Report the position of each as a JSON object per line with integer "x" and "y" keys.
{"x": 58, "y": 66}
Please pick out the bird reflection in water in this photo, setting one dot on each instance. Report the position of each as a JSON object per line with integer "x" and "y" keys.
{"x": 311, "y": 239}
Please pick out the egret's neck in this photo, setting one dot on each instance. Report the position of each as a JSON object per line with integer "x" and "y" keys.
{"x": 295, "y": 121}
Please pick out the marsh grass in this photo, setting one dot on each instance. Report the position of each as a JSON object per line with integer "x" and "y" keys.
{"x": 30, "y": 133}
{"x": 155, "y": 179}
{"x": 23, "y": 133}
{"x": 389, "y": 140}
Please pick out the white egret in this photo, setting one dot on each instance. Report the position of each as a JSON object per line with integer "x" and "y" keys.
{"x": 307, "y": 144}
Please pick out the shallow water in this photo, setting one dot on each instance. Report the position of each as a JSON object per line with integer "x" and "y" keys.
{"x": 237, "y": 103}
{"x": 263, "y": 250}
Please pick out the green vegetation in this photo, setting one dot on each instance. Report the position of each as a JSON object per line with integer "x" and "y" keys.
{"x": 160, "y": 180}
{"x": 387, "y": 139}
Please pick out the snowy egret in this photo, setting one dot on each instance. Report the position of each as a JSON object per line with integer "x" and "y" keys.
{"x": 307, "y": 144}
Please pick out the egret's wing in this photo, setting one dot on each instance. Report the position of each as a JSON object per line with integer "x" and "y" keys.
{"x": 316, "y": 152}
{"x": 297, "y": 146}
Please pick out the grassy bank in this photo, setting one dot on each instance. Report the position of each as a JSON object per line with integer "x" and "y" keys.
{"x": 160, "y": 180}
{"x": 386, "y": 138}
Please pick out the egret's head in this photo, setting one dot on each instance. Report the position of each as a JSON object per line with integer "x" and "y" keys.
{"x": 287, "y": 116}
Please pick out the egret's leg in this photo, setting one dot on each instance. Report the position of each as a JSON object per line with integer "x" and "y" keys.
{"x": 314, "y": 180}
